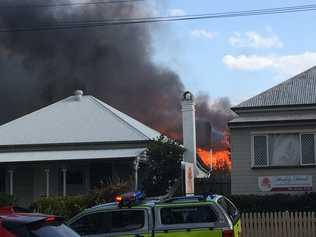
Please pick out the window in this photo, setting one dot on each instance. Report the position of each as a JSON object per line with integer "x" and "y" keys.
{"x": 124, "y": 221}
{"x": 260, "y": 151}
{"x": 96, "y": 223}
{"x": 308, "y": 149}
{"x": 54, "y": 231}
{"x": 286, "y": 149}
{"x": 110, "y": 222}
{"x": 189, "y": 214}
{"x": 230, "y": 209}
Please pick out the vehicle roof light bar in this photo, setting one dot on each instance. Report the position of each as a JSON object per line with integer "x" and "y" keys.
{"x": 130, "y": 199}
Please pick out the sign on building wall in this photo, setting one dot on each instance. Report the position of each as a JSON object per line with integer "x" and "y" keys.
{"x": 285, "y": 183}
{"x": 189, "y": 178}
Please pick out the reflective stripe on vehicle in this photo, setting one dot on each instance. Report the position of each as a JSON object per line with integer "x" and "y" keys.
{"x": 204, "y": 232}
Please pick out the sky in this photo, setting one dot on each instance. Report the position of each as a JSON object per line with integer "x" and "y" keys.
{"x": 235, "y": 57}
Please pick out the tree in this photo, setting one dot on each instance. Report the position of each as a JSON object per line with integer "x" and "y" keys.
{"x": 161, "y": 167}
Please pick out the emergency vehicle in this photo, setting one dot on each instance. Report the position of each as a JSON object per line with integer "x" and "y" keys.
{"x": 133, "y": 215}
{"x": 14, "y": 223}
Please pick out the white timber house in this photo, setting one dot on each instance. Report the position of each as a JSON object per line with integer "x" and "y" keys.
{"x": 66, "y": 148}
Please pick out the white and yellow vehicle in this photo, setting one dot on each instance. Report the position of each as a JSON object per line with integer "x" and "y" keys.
{"x": 132, "y": 215}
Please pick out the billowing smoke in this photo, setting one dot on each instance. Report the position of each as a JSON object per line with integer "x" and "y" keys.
{"x": 217, "y": 113}
{"x": 113, "y": 63}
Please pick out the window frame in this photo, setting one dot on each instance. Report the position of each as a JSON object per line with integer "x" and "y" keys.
{"x": 229, "y": 205}
{"x": 253, "y": 151}
{"x": 301, "y": 150}
{"x": 160, "y": 226}
{"x": 144, "y": 229}
{"x": 266, "y": 134}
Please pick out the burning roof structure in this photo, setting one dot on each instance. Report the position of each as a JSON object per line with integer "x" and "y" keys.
{"x": 114, "y": 63}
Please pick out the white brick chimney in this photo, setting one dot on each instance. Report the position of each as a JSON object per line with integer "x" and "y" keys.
{"x": 189, "y": 129}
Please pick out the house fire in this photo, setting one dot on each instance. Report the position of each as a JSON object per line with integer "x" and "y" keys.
{"x": 116, "y": 66}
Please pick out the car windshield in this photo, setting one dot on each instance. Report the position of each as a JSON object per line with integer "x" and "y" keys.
{"x": 54, "y": 231}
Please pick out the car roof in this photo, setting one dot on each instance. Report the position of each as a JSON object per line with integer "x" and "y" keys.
{"x": 152, "y": 202}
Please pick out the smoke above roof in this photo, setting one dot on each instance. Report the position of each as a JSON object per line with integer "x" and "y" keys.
{"x": 113, "y": 63}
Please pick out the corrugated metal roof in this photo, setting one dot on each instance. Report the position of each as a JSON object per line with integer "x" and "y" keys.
{"x": 298, "y": 90}
{"x": 75, "y": 121}
{"x": 68, "y": 155}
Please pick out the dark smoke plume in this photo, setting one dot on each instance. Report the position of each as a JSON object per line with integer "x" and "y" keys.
{"x": 113, "y": 63}
{"x": 217, "y": 113}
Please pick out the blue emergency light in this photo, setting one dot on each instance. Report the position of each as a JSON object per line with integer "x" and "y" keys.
{"x": 129, "y": 199}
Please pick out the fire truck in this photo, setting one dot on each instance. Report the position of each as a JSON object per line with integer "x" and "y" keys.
{"x": 133, "y": 215}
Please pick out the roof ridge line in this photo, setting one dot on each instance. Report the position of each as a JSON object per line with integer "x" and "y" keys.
{"x": 101, "y": 105}
{"x": 34, "y": 112}
{"x": 283, "y": 83}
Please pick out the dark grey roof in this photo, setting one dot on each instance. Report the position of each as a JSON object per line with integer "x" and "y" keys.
{"x": 298, "y": 90}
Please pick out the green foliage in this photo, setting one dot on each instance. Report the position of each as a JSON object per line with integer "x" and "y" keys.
{"x": 62, "y": 206}
{"x": 276, "y": 202}
{"x": 71, "y": 205}
{"x": 106, "y": 192}
{"x": 162, "y": 166}
{"x": 6, "y": 200}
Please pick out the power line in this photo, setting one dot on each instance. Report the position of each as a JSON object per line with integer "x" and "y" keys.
{"x": 127, "y": 21}
{"x": 67, "y": 4}
{"x": 229, "y": 14}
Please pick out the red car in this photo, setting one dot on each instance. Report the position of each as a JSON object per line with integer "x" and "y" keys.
{"x": 20, "y": 224}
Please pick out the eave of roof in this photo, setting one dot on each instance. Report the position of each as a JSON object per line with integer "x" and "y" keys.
{"x": 38, "y": 156}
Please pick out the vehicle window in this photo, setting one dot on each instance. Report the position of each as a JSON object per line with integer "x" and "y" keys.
{"x": 96, "y": 223}
{"x": 109, "y": 222}
{"x": 229, "y": 208}
{"x": 127, "y": 220}
{"x": 232, "y": 210}
{"x": 183, "y": 215}
{"x": 54, "y": 231}
{"x": 223, "y": 204}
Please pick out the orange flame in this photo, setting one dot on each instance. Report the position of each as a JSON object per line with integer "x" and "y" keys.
{"x": 217, "y": 159}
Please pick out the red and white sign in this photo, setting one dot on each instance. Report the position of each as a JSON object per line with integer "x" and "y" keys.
{"x": 189, "y": 178}
{"x": 285, "y": 183}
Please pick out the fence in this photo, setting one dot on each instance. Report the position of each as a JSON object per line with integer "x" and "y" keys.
{"x": 278, "y": 224}
{"x": 219, "y": 184}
